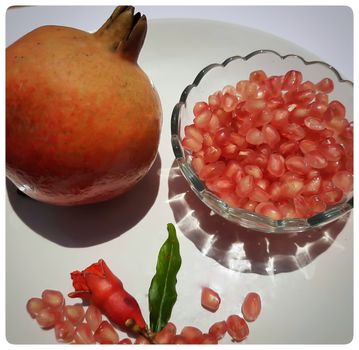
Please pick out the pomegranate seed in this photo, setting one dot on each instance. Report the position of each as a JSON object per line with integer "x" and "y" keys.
{"x": 326, "y": 85}
{"x": 210, "y": 299}
{"x": 265, "y": 117}
{"x": 332, "y": 152}
{"x": 141, "y": 340}
{"x": 317, "y": 108}
{"x": 74, "y": 313}
{"x": 288, "y": 147}
{"x": 218, "y": 330}
{"x": 275, "y": 191}
{"x": 64, "y": 331}
{"x": 336, "y": 108}
{"x": 212, "y": 170}
{"x": 316, "y": 204}
{"x": 53, "y": 298}
{"x": 298, "y": 115}
{"x": 166, "y": 335}
{"x": 221, "y": 185}
{"x": 315, "y": 160}
{"x": 229, "y": 89}
{"x": 274, "y": 103}
{"x": 214, "y": 100}
{"x": 258, "y": 76}
{"x": 251, "y": 307}
{"x": 253, "y": 170}
{"x": 307, "y": 146}
{"x": 254, "y": 136}
{"x": 297, "y": 165}
{"x": 199, "y": 108}
{"x": 192, "y": 335}
{"x": 262, "y": 183}
{"x": 331, "y": 197}
{"x": 229, "y": 102}
{"x": 292, "y": 80}
{"x": 197, "y": 164}
{"x": 245, "y": 186}
{"x": 312, "y": 186}
{"x": 230, "y": 151}
{"x": 287, "y": 210}
{"x": 34, "y": 306}
{"x": 238, "y": 140}
{"x": 313, "y": 123}
{"x": 322, "y": 98}
{"x": 212, "y": 154}
{"x": 214, "y": 123}
{"x": 307, "y": 85}
{"x": 231, "y": 199}
{"x": 83, "y": 334}
{"x": 222, "y": 136}
{"x": 274, "y": 84}
{"x": 337, "y": 124}
{"x": 47, "y": 317}
{"x": 249, "y": 205}
{"x": 259, "y": 195}
{"x": 293, "y": 132}
{"x": 202, "y": 120}
{"x": 302, "y": 208}
{"x": 268, "y": 209}
{"x": 208, "y": 339}
{"x": 271, "y": 135}
{"x": 276, "y": 165}
{"x": 343, "y": 180}
{"x": 223, "y": 117}
{"x": 254, "y": 105}
{"x": 232, "y": 169}
{"x": 93, "y": 317}
{"x": 291, "y": 188}
{"x": 304, "y": 96}
{"x": 179, "y": 339}
{"x": 125, "y": 341}
{"x": 106, "y": 334}
{"x": 192, "y": 132}
{"x": 237, "y": 328}
{"x": 191, "y": 144}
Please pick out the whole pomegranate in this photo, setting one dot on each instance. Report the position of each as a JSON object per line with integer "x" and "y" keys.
{"x": 82, "y": 119}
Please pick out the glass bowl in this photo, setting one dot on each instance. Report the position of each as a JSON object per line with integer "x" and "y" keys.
{"x": 216, "y": 76}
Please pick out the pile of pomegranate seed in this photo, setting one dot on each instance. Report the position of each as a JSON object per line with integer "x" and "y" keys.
{"x": 71, "y": 323}
{"x": 273, "y": 145}
{"x": 74, "y": 324}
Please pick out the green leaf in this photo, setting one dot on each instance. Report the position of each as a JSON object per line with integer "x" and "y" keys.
{"x": 162, "y": 294}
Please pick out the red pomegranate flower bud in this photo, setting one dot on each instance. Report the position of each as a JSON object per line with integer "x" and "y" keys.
{"x": 101, "y": 288}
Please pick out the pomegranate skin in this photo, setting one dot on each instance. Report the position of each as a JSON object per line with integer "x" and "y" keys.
{"x": 82, "y": 120}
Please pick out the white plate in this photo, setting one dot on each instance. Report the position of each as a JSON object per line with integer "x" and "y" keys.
{"x": 305, "y": 281}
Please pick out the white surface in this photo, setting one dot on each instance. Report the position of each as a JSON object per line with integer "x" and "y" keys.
{"x": 312, "y": 304}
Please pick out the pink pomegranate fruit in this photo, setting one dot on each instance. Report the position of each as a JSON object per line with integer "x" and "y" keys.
{"x": 83, "y": 120}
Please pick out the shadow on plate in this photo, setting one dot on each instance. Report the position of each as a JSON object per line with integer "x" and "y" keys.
{"x": 242, "y": 249}
{"x": 88, "y": 225}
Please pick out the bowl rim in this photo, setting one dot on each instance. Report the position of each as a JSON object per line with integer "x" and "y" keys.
{"x": 209, "y": 198}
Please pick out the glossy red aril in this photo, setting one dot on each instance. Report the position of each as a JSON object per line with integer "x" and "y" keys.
{"x": 218, "y": 329}
{"x": 251, "y": 306}
{"x": 192, "y": 335}
{"x": 53, "y": 298}
{"x": 237, "y": 328}
{"x": 106, "y": 334}
{"x": 166, "y": 335}
{"x": 47, "y": 317}
{"x": 84, "y": 334}
{"x": 208, "y": 339}
{"x": 64, "y": 331}
{"x": 74, "y": 313}
{"x": 343, "y": 180}
{"x": 269, "y": 143}
{"x": 93, "y": 317}
{"x": 34, "y": 306}
{"x": 326, "y": 85}
{"x": 210, "y": 299}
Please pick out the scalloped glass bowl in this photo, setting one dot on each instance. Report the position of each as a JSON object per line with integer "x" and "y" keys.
{"x": 213, "y": 78}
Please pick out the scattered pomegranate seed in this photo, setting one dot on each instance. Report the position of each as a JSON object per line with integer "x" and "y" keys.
{"x": 326, "y": 85}
{"x": 53, "y": 298}
{"x": 237, "y": 328}
{"x": 166, "y": 335}
{"x": 64, "y": 331}
{"x": 34, "y": 306}
{"x": 106, "y": 334}
{"x": 218, "y": 329}
{"x": 83, "y": 334}
{"x": 179, "y": 339}
{"x": 125, "y": 341}
{"x": 192, "y": 335}
{"x": 74, "y": 313}
{"x": 210, "y": 299}
{"x": 251, "y": 306}
{"x": 93, "y": 317}
{"x": 47, "y": 317}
